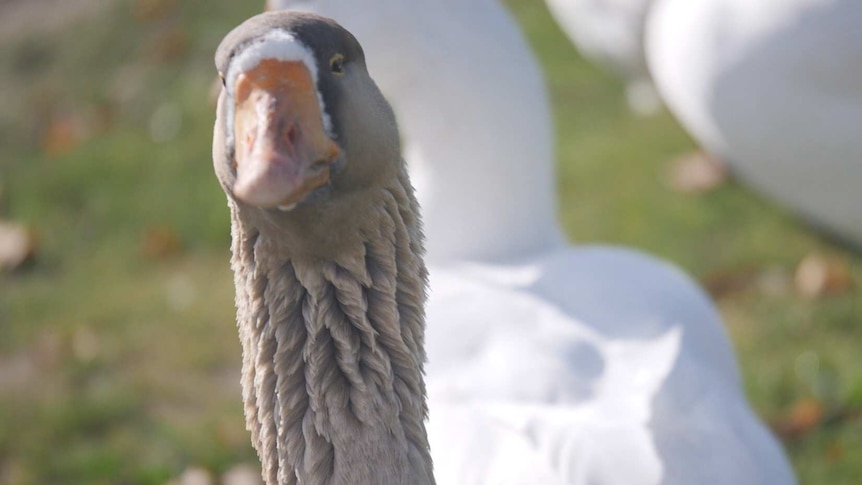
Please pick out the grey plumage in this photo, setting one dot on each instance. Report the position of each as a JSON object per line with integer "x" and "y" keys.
{"x": 330, "y": 295}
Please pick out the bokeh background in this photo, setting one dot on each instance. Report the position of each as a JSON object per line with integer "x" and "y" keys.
{"x": 119, "y": 360}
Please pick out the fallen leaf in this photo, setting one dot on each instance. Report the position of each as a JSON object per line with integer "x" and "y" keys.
{"x": 154, "y": 10}
{"x": 818, "y": 276}
{"x": 169, "y": 45}
{"x": 834, "y": 453}
{"x": 243, "y": 474}
{"x": 724, "y": 283}
{"x": 804, "y": 416}
{"x": 160, "y": 242}
{"x": 64, "y": 133}
{"x": 696, "y": 173}
{"x": 194, "y": 476}
{"x": 17, "y": 246}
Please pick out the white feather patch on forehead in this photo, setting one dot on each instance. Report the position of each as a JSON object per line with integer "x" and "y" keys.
{"x": 278, "y": 45}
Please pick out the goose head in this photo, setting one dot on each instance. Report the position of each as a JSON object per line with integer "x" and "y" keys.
{"x": 472, "y": 106}
{"x": 289, "y": 138}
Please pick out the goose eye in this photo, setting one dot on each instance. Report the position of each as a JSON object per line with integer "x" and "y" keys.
{"x": 336, "y": 65}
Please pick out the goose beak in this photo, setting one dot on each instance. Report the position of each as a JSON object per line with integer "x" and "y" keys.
{"x": 282, "y": 150}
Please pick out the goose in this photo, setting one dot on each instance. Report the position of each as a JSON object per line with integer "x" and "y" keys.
{"x": 772, "y": 89}
{"x": 548, "y": 363}
{"x": 433, "y": 60}
{"x": 327, "y": 257}
{"x": 611, "y": 33}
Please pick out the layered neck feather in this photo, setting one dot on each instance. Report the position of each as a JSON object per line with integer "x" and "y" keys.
{"x": 333, "y": 349}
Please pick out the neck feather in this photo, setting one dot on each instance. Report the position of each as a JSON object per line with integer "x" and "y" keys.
{"x": 333, "y": 351}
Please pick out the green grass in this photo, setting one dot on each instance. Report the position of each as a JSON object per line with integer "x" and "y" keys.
{"x": 120, "y": 366}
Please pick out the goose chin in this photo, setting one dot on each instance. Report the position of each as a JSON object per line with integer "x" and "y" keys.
{"x": 276, "y": 180}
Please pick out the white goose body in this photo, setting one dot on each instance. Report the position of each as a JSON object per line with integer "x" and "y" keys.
{"x": 772, "y": 88}
{"x": 470, "y": 100}
{"x": 548, "y": 363}
{"x": 584, "y": 356}
{"x": 611, "y": 33}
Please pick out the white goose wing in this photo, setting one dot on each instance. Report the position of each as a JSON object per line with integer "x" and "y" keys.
{"x": 585, "y": 357}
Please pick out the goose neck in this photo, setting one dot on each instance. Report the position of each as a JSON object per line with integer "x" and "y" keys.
{"x": 333, "y": 351}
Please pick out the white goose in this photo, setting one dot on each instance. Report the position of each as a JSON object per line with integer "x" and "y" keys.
{"x": 611, "y": 32}
{"x": 774, "y": 89}
{"x": 547, "y": 363}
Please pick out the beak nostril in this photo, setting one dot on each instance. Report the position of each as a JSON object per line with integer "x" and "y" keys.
{"x": 319, "y": 165}
{"x": 292, "y": 134}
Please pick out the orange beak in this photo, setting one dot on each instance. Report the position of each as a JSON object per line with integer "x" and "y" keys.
{"x": 282, "y": 151}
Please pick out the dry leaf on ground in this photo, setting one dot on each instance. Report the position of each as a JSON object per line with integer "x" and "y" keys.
{"x": 155, "y": 10}
{"x": 818, "y": 275}
{"x": 243, "y": 474}
{"x": 696, "y": 173}
{"x": 725, "y": 283}
{"x": 834, "y": 453}
{"x": 194, "y": 476}
{"x": 66, "y": 131}
{"x": 804, "y": 416}
{"x": 160, "y": 242}
{"x": 171, "y": 44}
{"x": 17, "y": 245}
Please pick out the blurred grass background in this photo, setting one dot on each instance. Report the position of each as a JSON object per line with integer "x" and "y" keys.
{"x": 119, "y": 360}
